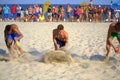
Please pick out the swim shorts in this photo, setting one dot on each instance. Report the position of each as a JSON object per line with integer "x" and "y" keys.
{"x": 114, "y": 34}
{"x": 61, "y": 43}
{"x": 11, "y": 36}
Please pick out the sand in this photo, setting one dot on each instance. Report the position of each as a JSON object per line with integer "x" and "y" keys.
{"x": 87, "y": 45}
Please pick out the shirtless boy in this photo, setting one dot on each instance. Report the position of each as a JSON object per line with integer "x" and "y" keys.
{"x": 113, "y": 31}
{"x": 12, "y": 34}
{"x": 60, "y": 37}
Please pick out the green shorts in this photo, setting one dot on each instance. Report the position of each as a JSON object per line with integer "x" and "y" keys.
{"x": 114, "y": 34}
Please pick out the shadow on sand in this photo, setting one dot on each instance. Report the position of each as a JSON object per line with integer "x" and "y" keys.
{"x": 3, "y": 53}
{"x": 92, "y": 58}
{"x": 100, "y": 58}
{"x": 37, "y": 56}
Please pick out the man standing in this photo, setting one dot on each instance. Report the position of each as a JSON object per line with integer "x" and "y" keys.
{"x": 13, "y": 12}
{"x": 1, "y": 13}
{"x": 60, "y": 37}
{"x": 6, "y": 12}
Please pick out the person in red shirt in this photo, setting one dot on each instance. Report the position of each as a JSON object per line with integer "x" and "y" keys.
{"x": 99, "y": 12}
{"x": 0, "y": 13}
{"x": 13, "y": 11}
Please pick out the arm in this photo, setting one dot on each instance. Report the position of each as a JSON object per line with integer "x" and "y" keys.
{"x": 19, "y": 33}
{"x": 54, "y": 34}
{"x": 5, "y": 37}
{"x": 66, "y": 38}
{"x": 54, "y": 40}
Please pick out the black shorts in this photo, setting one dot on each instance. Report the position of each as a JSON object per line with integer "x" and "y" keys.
{"x": 61, "y": 43}
{"x": 0, "y": 13}
{"x": 18, "y": 14}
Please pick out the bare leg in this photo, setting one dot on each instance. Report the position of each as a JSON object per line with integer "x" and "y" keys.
{"x": 108, "y": 52}
{"x": 10, "y": 48}
{"x": 12, "y": 52}
{"x": 18, "y": 48}
{"x": 21, "y": 50}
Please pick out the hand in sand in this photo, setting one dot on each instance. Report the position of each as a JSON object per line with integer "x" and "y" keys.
{"x": 117, "y": 50}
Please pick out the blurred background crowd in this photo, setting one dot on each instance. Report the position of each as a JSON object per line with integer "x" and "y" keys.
{"x": 55, "y": 13}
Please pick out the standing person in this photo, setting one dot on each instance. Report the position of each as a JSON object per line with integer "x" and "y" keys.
{"x": 30, "y": 10}
{"x": 69, "y": 12}
{"x": 13, "y": 12}
{"x": 37, "y": 11}
{"x": 119, "y": 18}
{"x": 61, "y": 13}
{"x": 113, "y": 31}
{"x": 109, "y": 15}
{"x": 56, "y": 12}
{"x": 95, "y": 13}
{"x": 12, "y": 34}
{"x": 6, "y": 12}
{"x": 99, "y": 12}
{"x": 60, "y": 37}
{"x": 19, "y": 12}
{"x": 0, "y": 13}
{"x": 49, "y": 13}
{"x": 112, "y": 13}
{"x": 104, "y": 13}
{"x": 41, "y": 9}
{"x": 91, "y": 12}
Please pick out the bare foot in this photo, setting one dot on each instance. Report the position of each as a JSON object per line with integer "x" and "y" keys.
{"x": 106, "y": 59}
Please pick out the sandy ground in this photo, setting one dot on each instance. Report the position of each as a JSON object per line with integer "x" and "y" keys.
{"x": 87, "y": 45}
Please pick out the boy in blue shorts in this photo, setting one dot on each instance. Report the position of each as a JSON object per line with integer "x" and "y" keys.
{"x": 6, "y": 10}
{"x": 12, "y": 34}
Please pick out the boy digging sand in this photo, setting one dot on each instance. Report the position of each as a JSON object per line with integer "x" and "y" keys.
{"x": 113, "y": 31}
{"x": 12, "y": 34}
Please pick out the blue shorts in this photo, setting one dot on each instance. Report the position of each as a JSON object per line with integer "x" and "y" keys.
{"x": 14, "y": 15}
{"x": 68, "y": 14}
{"x": 36, "y": 14}
{"x": 61, "y": 43}
{"x": 6, "y": 15}
{"x": 11, "y": 36}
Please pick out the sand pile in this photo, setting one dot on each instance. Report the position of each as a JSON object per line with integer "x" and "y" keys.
{"x": 57, "y": 56}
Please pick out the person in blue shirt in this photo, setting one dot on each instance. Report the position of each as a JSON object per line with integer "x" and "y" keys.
{"x": 6, "y": 11}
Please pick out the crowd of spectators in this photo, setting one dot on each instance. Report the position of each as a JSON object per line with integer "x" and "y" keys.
{"x": 83, "y": 13}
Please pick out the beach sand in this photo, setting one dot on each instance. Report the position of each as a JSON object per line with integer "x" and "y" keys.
{"x": 87, "y": 45}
